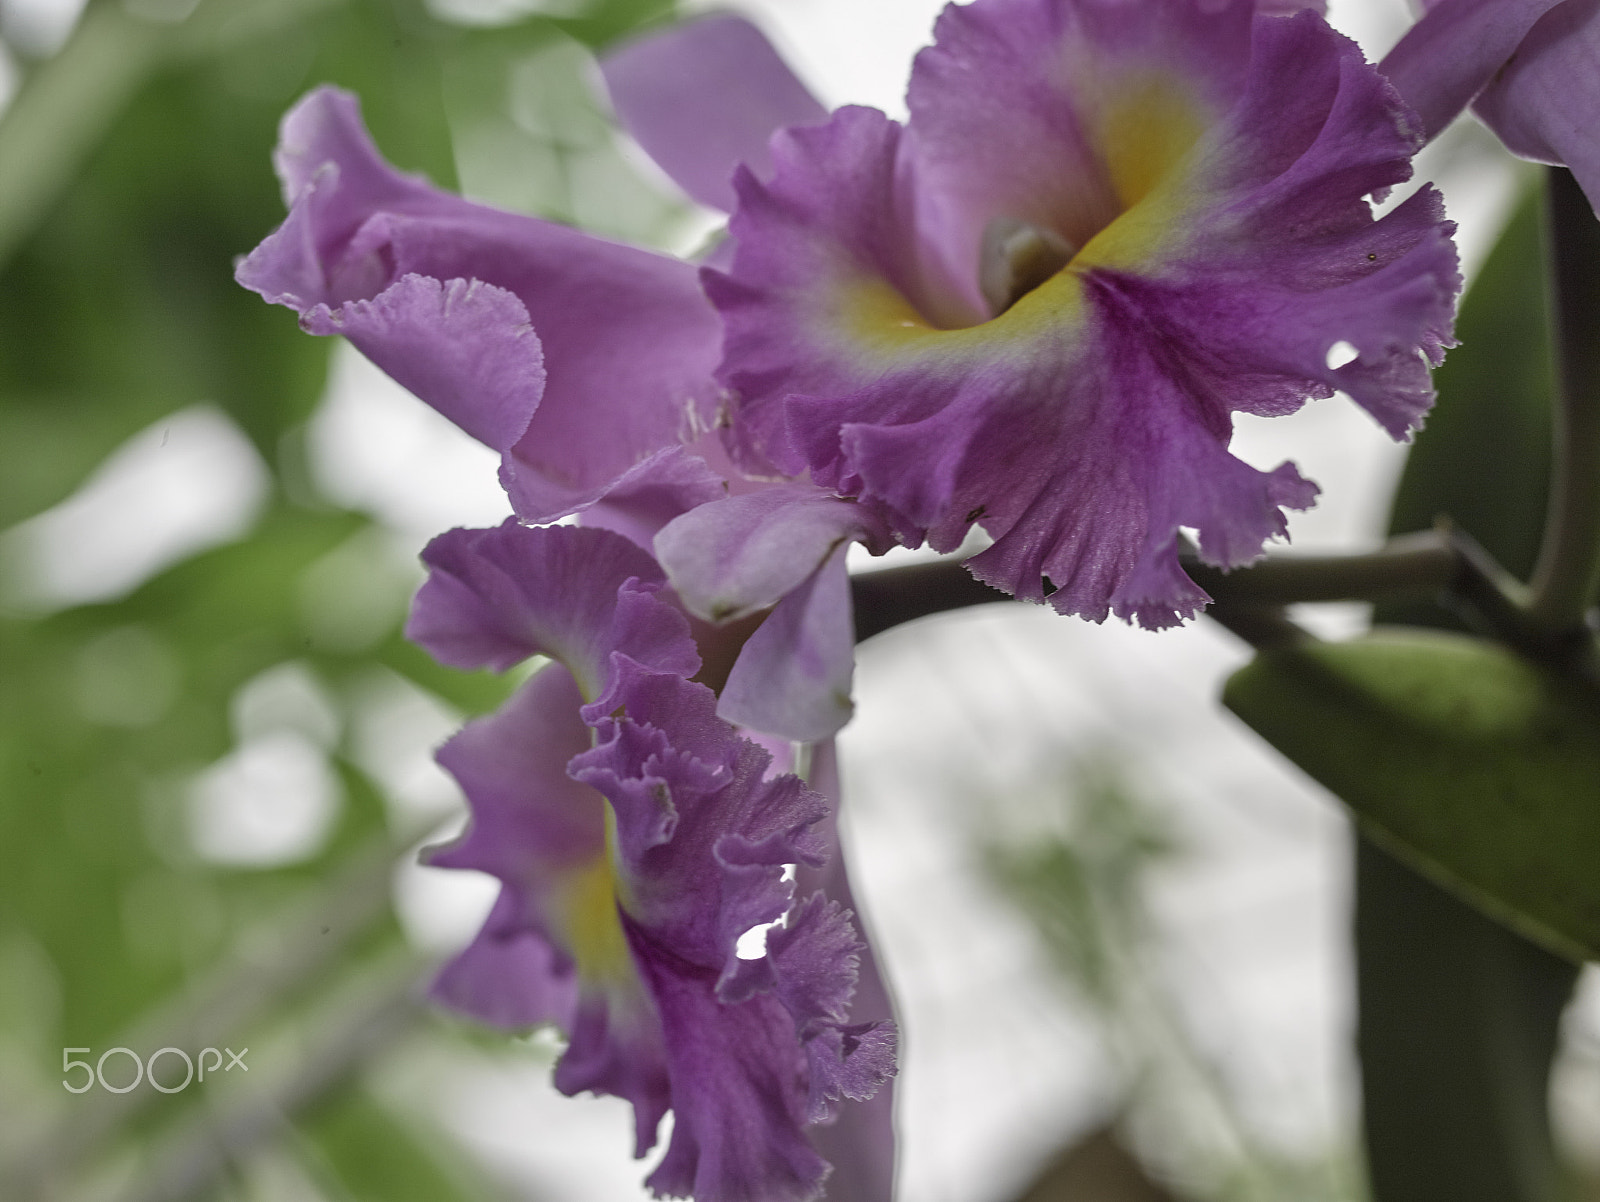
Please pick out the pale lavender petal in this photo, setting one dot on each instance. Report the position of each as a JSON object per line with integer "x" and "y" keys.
{"x": 651, "y": 493}
{"x": 1545, "y": 101}
{"x": 738, "y": 556}
{"x": 1448, "y": 56}
{"x": 704, "y": 96}
{"x": 793, "y": 676}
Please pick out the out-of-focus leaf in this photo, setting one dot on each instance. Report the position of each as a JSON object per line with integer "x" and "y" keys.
{"x": 1459, "y": 756}
{"x": 122, "y": 305}
{"x": 376, "y": 1158}
{"x": 1460, "y": 1014}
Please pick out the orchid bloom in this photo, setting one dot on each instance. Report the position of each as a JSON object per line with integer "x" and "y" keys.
{"x": 1105, "y": 228}
{"x": 637, "y": 836}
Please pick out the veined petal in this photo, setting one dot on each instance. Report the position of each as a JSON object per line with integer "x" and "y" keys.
{"x": 1457, "y": 48}
{"x": 628, "y": 340}
{"x": 704, "y": 96}
{"x": 739, "y": 1105}
{"x": 1544, "y": 101}
{"x": 1087, "y": 420}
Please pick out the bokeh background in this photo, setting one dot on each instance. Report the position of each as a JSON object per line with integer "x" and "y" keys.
{"x": 1104, "y": 906}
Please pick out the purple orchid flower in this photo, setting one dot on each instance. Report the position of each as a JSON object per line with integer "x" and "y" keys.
{"x": 588, "y": 365}
{"x": 1105, "y": 229}
{"x": 637, "y": 837}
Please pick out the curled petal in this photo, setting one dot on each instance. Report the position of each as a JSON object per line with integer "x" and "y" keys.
{"x": 465, "y": 345}
{"x": 495, "y": 597}
{"x": 628, "y": 340}
{"x": 738, "y": 556}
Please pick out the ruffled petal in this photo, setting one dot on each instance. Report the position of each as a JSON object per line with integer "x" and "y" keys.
{"x": 629, "y": 342}
{"x": 553, "y": 948}
{"x": 860, "y": 1145}
{"x": 637, "y": 837}
{"x": 702, "y": 835}
{"x": 704, "y": 96}
{"x": 1089, "y": 420}
{"x": 739, "y": 1092}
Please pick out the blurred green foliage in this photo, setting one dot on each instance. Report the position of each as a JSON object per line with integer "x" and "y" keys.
{"x": 120, "y": 309}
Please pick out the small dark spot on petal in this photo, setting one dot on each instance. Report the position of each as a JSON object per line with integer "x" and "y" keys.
{"x": 977, "y": 513}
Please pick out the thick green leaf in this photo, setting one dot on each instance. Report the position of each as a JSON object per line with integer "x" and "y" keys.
{"x": 1459, "y": 1015}
{"x": 1465, "y": 760}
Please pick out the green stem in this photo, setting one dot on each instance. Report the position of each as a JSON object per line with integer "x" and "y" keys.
{"x": 1568, "y": 572}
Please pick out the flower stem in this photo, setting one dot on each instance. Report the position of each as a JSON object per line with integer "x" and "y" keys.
{"x": 1568, "y": 571}
{"x": 1442, "y": 564}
